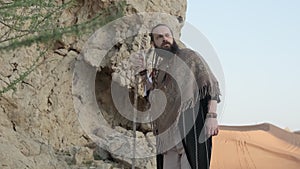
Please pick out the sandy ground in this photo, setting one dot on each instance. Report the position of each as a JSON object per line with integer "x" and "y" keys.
{"x": 261, "y": 146}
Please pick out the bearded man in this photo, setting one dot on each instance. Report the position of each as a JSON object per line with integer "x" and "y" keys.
{"x": 185, "y": 128}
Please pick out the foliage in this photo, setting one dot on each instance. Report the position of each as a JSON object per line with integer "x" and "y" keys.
{"x": 27, "y": 22}
{"x": 32, "y": 21}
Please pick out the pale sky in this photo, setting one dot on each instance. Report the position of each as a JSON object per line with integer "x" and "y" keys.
{"x": 258, "y": 46}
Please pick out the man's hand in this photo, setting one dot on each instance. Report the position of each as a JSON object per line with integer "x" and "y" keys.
{"x": 211, "y": 126}
{"x": 211, "y": 123}
{"x": 136, "y": 62}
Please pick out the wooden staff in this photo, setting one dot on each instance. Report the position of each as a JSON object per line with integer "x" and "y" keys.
{"x": 135, "y": 102}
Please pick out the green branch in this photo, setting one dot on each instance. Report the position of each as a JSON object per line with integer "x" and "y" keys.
{"x": 56, "y": 33}
{"x": 42, "y": 29}
{"x": 12, "y": 85}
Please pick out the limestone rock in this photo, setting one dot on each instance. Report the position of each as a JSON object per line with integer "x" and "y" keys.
{"x": 39, "y": 124}
{"x": 84, "y": 156}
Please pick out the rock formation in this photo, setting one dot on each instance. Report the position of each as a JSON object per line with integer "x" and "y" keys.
{"x": 39, "y": 126}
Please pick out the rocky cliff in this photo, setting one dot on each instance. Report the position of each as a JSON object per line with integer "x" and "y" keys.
{"x": 39, "y": 125}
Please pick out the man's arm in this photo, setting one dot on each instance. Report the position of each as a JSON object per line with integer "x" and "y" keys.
{"x": 212, "y": 106}
{"x": 211, "y": 122}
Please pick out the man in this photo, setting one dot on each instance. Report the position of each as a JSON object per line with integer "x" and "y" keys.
{"x": 190, "y": 112}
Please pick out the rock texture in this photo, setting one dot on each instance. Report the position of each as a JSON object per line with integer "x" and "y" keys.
{"x": 39, "y": 126}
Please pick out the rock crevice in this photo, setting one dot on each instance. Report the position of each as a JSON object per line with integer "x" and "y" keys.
{"x": 39, "y": 127}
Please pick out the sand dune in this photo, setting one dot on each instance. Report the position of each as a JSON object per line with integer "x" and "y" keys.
{"x": 262, "y": 146}
{"x": 297, "y": 132}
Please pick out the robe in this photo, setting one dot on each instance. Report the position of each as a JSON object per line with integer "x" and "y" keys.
{"x": 187, "y": 106}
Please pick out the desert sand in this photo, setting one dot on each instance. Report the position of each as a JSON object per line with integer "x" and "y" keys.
{"x": 262, "y": 146}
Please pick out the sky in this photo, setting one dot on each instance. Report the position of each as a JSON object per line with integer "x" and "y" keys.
{"x": 258, "y": 48}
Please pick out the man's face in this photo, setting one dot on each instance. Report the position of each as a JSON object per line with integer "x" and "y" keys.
{"x": 162, "y": 37}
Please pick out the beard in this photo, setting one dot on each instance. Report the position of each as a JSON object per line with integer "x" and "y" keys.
{"x": 173, "y": 49}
